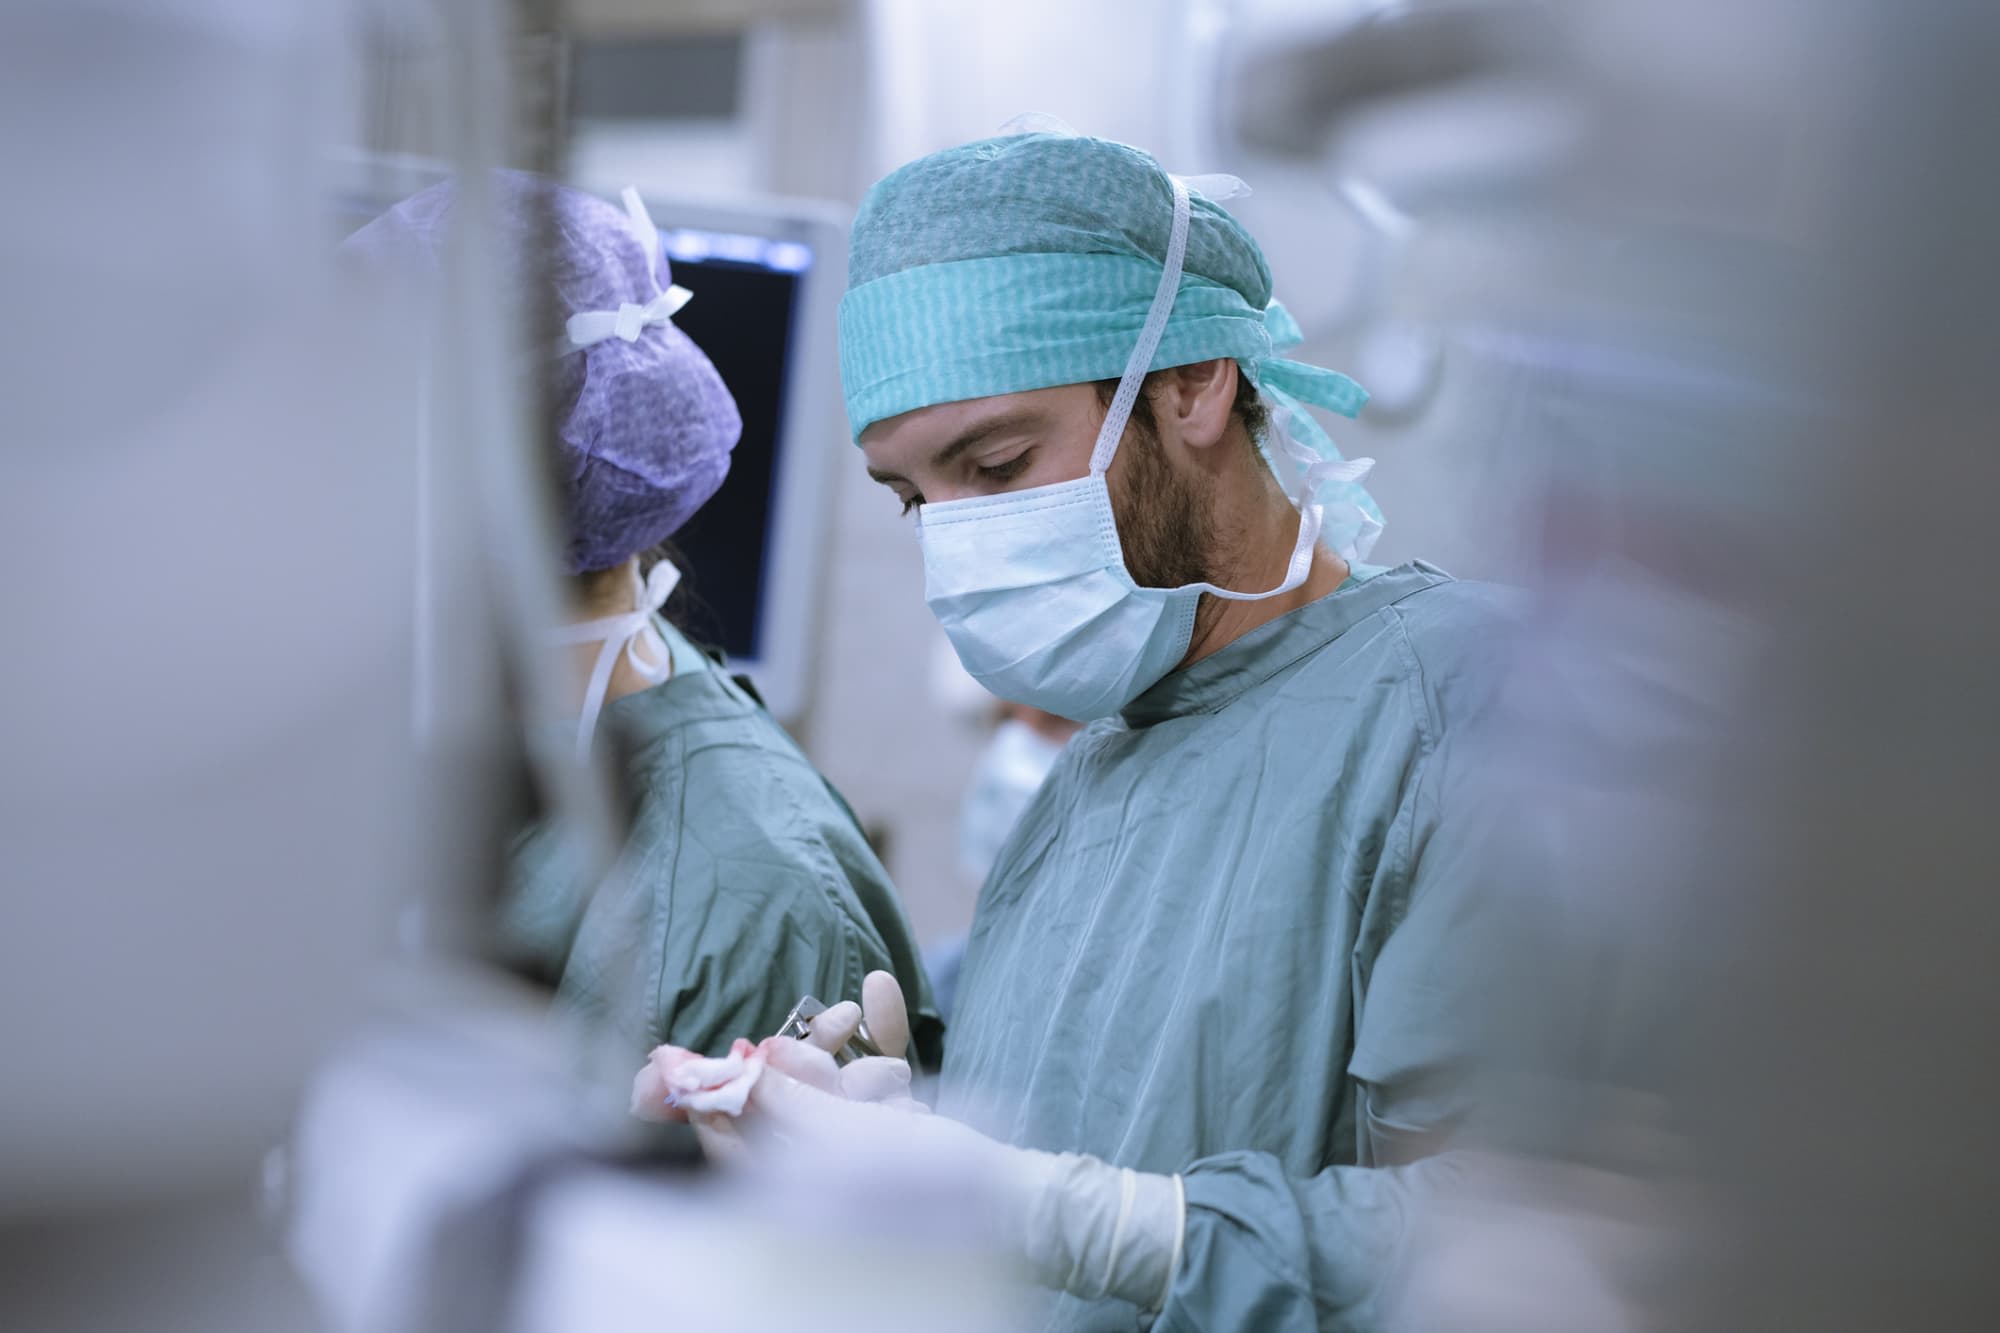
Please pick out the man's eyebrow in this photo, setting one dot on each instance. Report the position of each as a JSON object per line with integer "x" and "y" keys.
{"x": 970, "y": 439}
{"x": 985, "y": 430}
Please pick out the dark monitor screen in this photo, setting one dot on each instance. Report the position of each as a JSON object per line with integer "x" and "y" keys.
{"x": 745, "y": 306}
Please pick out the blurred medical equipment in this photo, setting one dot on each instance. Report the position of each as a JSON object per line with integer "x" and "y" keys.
{"x": 1382, "y": 93}
{"x": 767, "y": 279}
{"x": 321, "y": 517}
{"x": 1387, "y": 144}
{"x": 214, "y": 814}
{"x": 461, "y": 1178}
{"x": 1758, "y": 717}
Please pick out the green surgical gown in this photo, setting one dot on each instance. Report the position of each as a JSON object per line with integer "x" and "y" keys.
{"x": 747, "y": 884}
{"x": 1238, "y": 936}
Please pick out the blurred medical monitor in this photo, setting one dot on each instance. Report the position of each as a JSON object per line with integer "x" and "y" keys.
{"x": 766, "y": 281}
{"x": 767, "y": 277}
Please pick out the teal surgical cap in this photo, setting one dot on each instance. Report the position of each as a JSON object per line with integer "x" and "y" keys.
{"x": 1030, "y": 261}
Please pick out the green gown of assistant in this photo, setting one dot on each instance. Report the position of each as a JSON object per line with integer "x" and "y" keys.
{"x": 745, "y": 883}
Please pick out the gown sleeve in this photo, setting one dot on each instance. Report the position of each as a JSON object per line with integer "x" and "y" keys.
{"x": 769, "y": 905}
{"x": 1444, "y": 1020}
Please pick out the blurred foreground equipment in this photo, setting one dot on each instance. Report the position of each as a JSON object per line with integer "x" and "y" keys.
{"x": 1746, "y": 294}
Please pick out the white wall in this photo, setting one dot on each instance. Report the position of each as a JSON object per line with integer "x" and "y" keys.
{"x": 943, "y": 74}
{"x": 676, "y": 159}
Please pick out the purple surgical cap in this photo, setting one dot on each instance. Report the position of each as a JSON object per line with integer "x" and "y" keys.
{"x": 643, "y": 423}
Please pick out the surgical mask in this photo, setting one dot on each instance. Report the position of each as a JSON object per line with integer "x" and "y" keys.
{"x": 1031, "y": 586}
{"x": 629, "y": 633}
{"x": 1008, "y": 774}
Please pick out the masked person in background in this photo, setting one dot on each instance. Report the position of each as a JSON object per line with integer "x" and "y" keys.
{"x": 1023, "y": 748}
{"x": 1227, "y": 983}
{"x": 745, "y": 881}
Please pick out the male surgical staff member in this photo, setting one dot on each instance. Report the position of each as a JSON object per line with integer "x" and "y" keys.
{"x": 746, "y": 882}
{"x": 1223, "y": 980}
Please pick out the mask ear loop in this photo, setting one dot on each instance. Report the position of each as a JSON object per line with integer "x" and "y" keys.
{"x": 1311, "y": 516}
{"x": 1318, "y": 469}
{"x": 1113, "y": 429}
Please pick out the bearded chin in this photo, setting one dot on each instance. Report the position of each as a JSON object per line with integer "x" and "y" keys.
{"x": 1164, "y": 527}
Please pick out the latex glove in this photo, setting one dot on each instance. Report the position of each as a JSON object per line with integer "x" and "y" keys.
{"x": 677, "y": 1084}
{"x": 710, "y": 1093}
{"x": 872, "y": 1078}
{"x": 674, "y": 1081}
{"x": 1080, "y": 1224}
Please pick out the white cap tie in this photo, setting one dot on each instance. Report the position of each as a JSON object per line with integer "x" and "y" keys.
{"x": 589, "y": 327}
{"x": 623, "y": 633}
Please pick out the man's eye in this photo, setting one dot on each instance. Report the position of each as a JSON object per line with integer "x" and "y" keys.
{"x": 910, "y": 502}
{"x": 1008, "y": 470}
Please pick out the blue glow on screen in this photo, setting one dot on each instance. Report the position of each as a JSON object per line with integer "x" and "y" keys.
{"x": 694, "y": 246}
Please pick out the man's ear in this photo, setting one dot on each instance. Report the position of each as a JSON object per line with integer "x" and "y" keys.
{"x": 1194, "y": 401}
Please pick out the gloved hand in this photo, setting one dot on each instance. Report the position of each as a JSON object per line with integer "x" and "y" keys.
{"x": 1080, "y": 1224}
{"x": 679, "y": 1085}
{"x": 872, "y": 1078}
